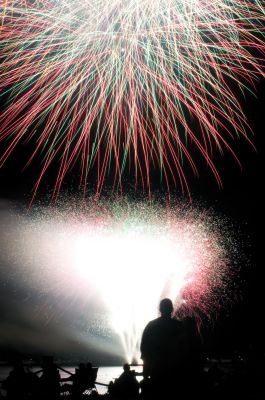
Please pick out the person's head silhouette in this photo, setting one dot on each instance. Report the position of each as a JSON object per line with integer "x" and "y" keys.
{"x": 166, "y": 308}
{"x": 126, "y": 368}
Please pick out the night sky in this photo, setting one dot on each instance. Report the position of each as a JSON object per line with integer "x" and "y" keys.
{"x": 240, "y": 200}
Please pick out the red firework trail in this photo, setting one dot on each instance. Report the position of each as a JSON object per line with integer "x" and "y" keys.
{"x": 126, "y": 85}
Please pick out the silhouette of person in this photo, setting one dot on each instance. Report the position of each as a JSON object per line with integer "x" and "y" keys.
{"x": 32, "y": 385}
{"x": 192, "y": 360}
{"x": 126, "y": 386}
{"x": 161, "y": 349}
{"x": 50, "y": 379}
{"x": 84, "y": 377}
{"x": 79, "y": 380}
{"x": 15, "y": 383}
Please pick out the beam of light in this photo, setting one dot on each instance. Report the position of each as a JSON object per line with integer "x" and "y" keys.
{"x": 127, "y": 256}
{"x": 131, "y": 85}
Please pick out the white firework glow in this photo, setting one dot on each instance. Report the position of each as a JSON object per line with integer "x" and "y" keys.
{"x": 129, "y": 256}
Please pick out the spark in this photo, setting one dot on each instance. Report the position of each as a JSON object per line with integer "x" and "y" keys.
{"x": 127, "y": 86}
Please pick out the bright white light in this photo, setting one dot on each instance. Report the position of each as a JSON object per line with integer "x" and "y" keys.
{"x": 130, "y": 260}
{"x": 130, "y": 270}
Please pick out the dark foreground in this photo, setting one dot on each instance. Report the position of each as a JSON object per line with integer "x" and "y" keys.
{"x": 226, "y": 379}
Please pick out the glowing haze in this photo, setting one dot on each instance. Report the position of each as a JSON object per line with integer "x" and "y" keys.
{"x": 127, "y": 85}
{"x": 125, "y": 255}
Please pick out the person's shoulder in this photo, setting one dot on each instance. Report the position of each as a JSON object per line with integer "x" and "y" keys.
{"x": 189, "y": 322}
{"x": 152, "y": 323}
{"x": 175, "y": 324}
{"x": 176, "y": 321}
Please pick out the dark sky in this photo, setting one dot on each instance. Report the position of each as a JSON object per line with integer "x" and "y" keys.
{"x": 241, "y": 200}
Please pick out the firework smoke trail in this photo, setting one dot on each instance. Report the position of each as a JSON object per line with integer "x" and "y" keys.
{"x": 120, "y": 85}
{"x": 117, "y": 253}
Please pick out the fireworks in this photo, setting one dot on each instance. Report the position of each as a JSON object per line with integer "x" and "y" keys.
{"x": 126, "y": 85}
{"x": 126, "y": 255}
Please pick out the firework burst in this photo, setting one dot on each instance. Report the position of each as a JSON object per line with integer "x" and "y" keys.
{"x": 126, "y": 85}
{"x": 127, "y": 255}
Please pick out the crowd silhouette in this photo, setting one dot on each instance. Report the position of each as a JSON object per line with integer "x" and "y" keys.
{"x": 47, "y": 383}
{"x": 173, "y": 368}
